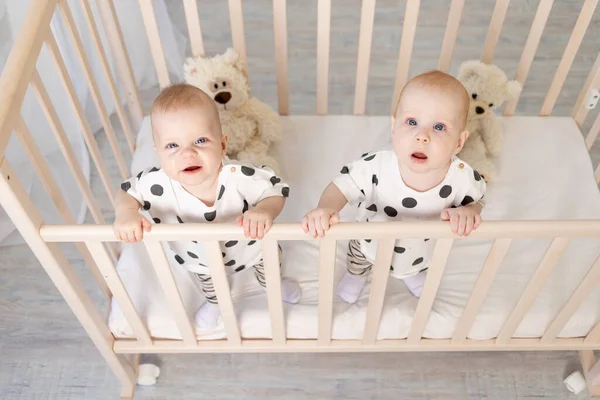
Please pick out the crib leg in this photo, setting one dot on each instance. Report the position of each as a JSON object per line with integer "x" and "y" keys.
{"x": 591, "y": 371}
{"x": 129, "y": 386}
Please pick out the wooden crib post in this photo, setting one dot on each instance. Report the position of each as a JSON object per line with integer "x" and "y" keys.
{"x": 591, "y": 371}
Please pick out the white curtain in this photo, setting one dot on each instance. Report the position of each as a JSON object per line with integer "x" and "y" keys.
{"x": 11, "y": 17}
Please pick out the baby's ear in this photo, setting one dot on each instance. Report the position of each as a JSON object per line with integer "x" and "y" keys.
{"x": 462, "y": 139}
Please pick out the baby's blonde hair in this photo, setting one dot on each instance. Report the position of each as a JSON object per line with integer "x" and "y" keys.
{"x": 448, "y": 84}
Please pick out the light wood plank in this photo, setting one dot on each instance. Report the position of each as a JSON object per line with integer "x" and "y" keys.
{"x": 381, "y": 274}
{"x": 528, "y": 54}
{"x": 156, "y": 48}
{"x": 367, "y": 16}
{"x": 118, "y": 290}
{"x": 537, "y": 282}
{"x": 593, "y": 133}
{"x": 482, "y": 286}
{"x": 588, "y": 362}
{"x": 491, "y": 40}
{"x": 281, "y": 55}
{"x": 236, "y": 18}
{"x": 326, "y": 273}
{"x": 167, "y": 281}
{"x": 411, "y": 15}
{"x": 597, "y": 173}
{"x": 585, "y": 16}
{"x": 194, "y": 29}
{"x": 594, "y": 335}
{"x": 323, "y": 43}
{"x": 580, "y": 112}
{"x": 273, "y": 280}
{"x": 432, "y": 283}
{"x": 452, "y": 26}
{"x": 223, "y": 291}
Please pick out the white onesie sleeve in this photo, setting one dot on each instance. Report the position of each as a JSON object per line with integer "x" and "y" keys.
{"x": 472, "y": 187}
{"x": 355, "y": 180}
{"x": 256, "y": 184}
{"x": 135, "y": 185}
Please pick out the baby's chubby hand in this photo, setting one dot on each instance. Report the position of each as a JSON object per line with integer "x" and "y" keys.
{"x": 464, "y": 219}
{"x": 130, "y": 226}
{"x": 318, "y": 221}
{"x": 256, "y": 223}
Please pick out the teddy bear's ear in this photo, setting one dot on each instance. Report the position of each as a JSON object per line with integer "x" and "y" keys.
{"x": 232, "y": 58}
{"x": 469, "y": 69}
{"x": 513, "y": 89}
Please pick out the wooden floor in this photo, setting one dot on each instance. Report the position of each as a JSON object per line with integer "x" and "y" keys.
{"x": 44, "y": 352}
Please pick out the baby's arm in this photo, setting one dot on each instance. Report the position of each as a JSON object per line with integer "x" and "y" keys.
{"x": 258, "y": 221}
{"x": 465, "y": 216}
{"x": 319, "y": 220}
{"x": 129, "y": 225}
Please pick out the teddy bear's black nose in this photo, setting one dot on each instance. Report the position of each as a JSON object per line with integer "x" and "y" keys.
{"x": 478, "y": 110}
{"x": 223, "y": 97}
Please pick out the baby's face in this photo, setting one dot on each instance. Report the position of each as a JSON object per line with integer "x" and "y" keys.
{"x": 189, "y": 145}
{"x": 427, "y": 129}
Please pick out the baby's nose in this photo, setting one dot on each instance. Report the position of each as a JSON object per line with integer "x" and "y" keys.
{"x": 479, "y": 110}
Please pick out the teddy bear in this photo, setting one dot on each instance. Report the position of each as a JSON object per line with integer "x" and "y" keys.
{"x": 488, "y": 88}
{"x": 253, "y": 128}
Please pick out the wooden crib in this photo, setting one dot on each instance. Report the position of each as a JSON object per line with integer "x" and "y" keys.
{"x": 97, "y": 242}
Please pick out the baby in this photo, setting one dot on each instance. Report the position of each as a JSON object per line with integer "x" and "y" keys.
{"x": 421, "y": 179}
{"x": 196, "y": 184}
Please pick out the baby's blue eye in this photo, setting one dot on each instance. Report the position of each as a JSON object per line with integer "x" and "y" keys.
{"x": 439, "y": 127}
{"x": 412, "y": 122}
{"x": 172, "y": 146}
{"x": 200, "y": 140}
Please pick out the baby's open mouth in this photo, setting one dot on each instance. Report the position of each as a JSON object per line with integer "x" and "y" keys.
{"x": 418, "y": 156}
{"x": 192, "y": 168}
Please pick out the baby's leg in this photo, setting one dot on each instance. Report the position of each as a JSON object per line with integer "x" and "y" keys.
{"x": 415, "y": 283}
{"x": 290, "y": 291}
{"x": 354, "y": 279}
{"x": 207, "y": 317}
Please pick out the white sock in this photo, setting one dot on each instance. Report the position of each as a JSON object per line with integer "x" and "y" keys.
{"x": 207, "y": 317}
{"x": 350, "y": 287}
{"x": 290, "y": 291}
{"x": 415, "y": 283}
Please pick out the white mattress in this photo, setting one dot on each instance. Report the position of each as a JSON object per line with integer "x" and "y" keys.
{"x": 545, "y": 173}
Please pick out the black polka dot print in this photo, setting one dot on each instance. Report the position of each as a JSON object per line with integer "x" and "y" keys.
{"x": 345, "y": 170}
{"x": 426, "y": 240}
{"x": 467, "y": 200}
{"x": 363, "y": 192}
{"x": 146, "y": 205}
{"x": 365, "y": 154}
{"x": 476, "y": 176}
{"x": 368, "y": 240}
{"x": 240, "y": 268}
{"x": 154, "y": 169}
{"x": 179, "y": 259}
{"x": 248, "y": 171}
{"x": 231, "y": 243}
{"x": 390, "y": 211}
{"x": 359, "y": 204}
{"x": 245, "y": 207}
{"x": 156, "y": 220}
{"x": 452, "y": 206}
{"x": 375, "y": 180}
{"x": 193, "y": 255}
{"x": 250, "y": 243}
{"x": 370, "y": 158}
{"x": 275, "y": 180}
{"x": 391, "y": 267}
{"x": 230, "y": 263}
{"x": 445, "y": 191}
{"x": 157, "y": 190}
{"x": 399, "y": 249}
{"x": 223, "y": 255}
{"x": 372, "y": 207}
{"x": 125, "y": 186}
{"x": 179, "y": 219}
{"x": 409, "y": 202}
{"x": 424, "y": 269}
{"x": 285, "y": 191}
{"x": 195, "y": 241}
{"x": 221, "y": 191}
{"x": 140, "y": 174}
{"x": 417, "y": 261}
{"x": 210, "y": 216}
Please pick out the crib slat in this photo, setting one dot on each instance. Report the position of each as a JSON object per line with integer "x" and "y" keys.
{"x": 491, "y": 40}
{"x": 156, "y": 48}
{"x": 539, "y": 278}
{"x": 594, "y": 335}
{"x": 323, "y": 42}
{"x": 106, "y": 68}
{"x": 236, "y": 18}
{"x": 121, "y": 58}
{"x": 273, "y": 281}
{"x": 430, "y": 288}
{"x": 367, "y": 16}
{"x": 597, "y": 173}
{"x": 411, "y": 15}
{"x": 326, "y": 272}
{"x": 454, "y": 16}
{"x": 482, "y": 286}
{"x": 88, "y": 135}
{"x": 192, "y": 19}
{"x": 221, "y": 284}
{"x": 588, "y": 364}
{"x": 584, "y": 288}
{"x": 593, "y": 133}
{"x": 281, "y": 55}
{"x": 579, "y": 112}
{"x": 585, "y": 16}
{"x": 119, "y": 291}
{"x": 533, "y": 40}
{"x": 381, "y": 273}
{"x": 95, "y": 92}
{"x": 167, "y": 281}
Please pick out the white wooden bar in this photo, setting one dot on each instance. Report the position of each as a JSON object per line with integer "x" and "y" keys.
{"x": 327, "y": 251}
{"x": 156, "y": 48}
{"x": 585, "y": 16}
{"x": 580, "y": 112}
{"x": 482, "y": 286}
{"x": 531, "y": 45}
{"x": 88, "y": 135}
{"x": 381, "y": 273}
{"x": 430, "y": 288}
{"x": 594, "y": 335}
{"x": 124, "y": 70}
{"x": 65, "y": 147}
{"x": 94, "y": 90}
{"x": 367, "y": 16}
{"x": 491, "y": 40}
{"x": 273, "y": 281}
{"x": 20, "y": 64}
{"x": 577, "y": 297}
{"x": 323, "y": 43}
{"x": 193, "y": 24}
{"x": 236, "y": 18}
{"x": 590, "y": 139}
{"x": 45, "y": 176}
{"x": 28, "y": 221}
{"x": 452, "y": 26}
{"x": 589, "y": 362}
{"x": 411, "y": 15}
{"x": 108, "y": 75}
{"x": 119, "y": 291}
{"x": 169, "y": 286}
{"x": 281, "y": 55}
{"x": 597, "y": 173}
{"x": 535, "y": 285}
